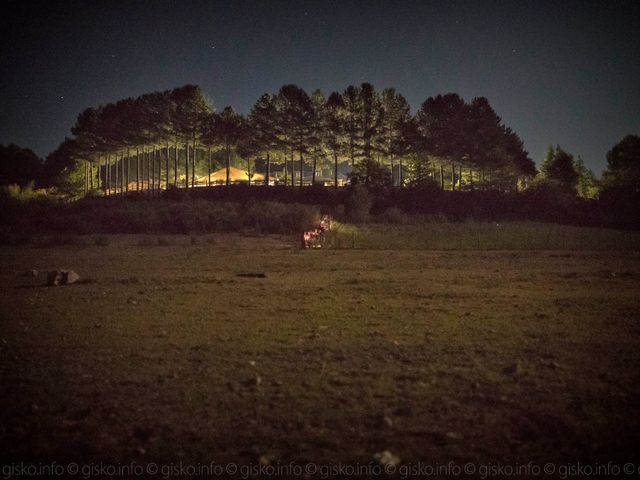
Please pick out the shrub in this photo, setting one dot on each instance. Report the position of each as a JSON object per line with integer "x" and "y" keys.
{"x": 358, "y": 204}
{"x": 393, "y": 215}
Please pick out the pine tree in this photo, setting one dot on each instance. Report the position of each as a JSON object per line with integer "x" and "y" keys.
{"x": 558, "y": 169}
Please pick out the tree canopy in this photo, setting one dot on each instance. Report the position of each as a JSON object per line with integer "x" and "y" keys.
{"x": 558, "y": 169}
{"x": 18, "y": 165}
{"x": 623, "y": 164}
{"x": 461, "y": 145}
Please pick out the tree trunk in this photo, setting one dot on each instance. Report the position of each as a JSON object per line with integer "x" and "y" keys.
{"x": 193, "y": 165}
{"x": 335, "y": 170}
{"x": 137, "y": 173}
{"x": 153, "y": 170}
{"x": 118, "y": 174}
{"x": 228, "y": 164}
{"x": 166, "y": 173}
{"x": 400, "y": 179}
{"x": 209, "y": 168}
{"x": 186, "y": 165}
{"x": 453, "y": 177}
{"x": 286, "y": 171}
{"x": 301, "y": 168}
{"x": 111, "y": 175}
{"x": 158, "y": 169}
{"x": 117, "y": 167}
{"x": 107, "y": 179}
{"x": 160, "y": 163}
{"x": 101, "y": 177}
{"x": 148, "y": 171}
{"x": 127, "y": 178}
{"x": 175, "y": 165}
{"x": 392, "y": 173}
{"x": 313, "y": 174}
{"x": 122, "y": 164}
{"x": 145, "y": 168}
{"x": 441, "y": 177}
{"x": 268, "y": 175}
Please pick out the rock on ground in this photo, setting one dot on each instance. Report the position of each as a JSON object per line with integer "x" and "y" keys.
{"x": 62, "y": 277}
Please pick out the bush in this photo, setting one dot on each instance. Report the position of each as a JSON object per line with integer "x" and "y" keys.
{"x": 358, "y": 203}
{"x": 393, "y": 215}
{"x": 149, "y": 216}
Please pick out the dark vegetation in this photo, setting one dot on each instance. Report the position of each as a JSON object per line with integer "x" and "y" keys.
{"x": 19, "y": 166}
{"x": 452, "y": 161}
{"x": 285, "y": 210}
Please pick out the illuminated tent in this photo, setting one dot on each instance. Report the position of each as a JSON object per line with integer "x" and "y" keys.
{"x": 235, "y": 175}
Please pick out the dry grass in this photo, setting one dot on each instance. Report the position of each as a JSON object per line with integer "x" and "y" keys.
{"x": 168, "y": 354}
{"x": 481, "y": 236}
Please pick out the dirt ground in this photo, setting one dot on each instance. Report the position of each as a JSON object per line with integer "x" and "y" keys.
{"x": 186, "y": 352}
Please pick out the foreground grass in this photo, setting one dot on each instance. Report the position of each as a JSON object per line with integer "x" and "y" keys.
{"x": 481, "y": 236}
{"x": 172, "y": 352}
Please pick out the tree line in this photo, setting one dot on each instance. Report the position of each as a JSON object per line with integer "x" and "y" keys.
{"x": 173, "y": 137}
{"x": 176, "y": 138}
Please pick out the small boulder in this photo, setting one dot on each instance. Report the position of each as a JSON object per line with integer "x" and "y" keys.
{"x": 70, "y": 277}
{"x": 30, "y": 273}
{"x": 62, "y": 277}
{"x": 54, "y": 278}
{"x": 386, "y": 459}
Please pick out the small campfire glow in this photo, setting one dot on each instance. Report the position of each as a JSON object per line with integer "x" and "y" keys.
{"x": 315, "y": 238}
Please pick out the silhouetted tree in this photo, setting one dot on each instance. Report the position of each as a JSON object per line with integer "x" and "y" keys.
{"x": 192, "y": 110}
{"x": 227, "y": 128}
{"x": 623, "y": 165}
{"x": 335, "y": 126}
{"x": 440, "y": 123}
{"x": 588, "y": 186}
{"x": 262, "y": 128}
{"x": 558, "y": 169}
{"x": 295, "y": 113}
{"x": 395, "y": 117}
{"x": 19, "y": 166}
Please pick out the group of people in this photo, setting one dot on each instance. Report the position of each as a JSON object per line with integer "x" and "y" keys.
{"x": 315, "y": 238}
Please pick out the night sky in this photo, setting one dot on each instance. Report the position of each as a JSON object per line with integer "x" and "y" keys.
{"x": 557, "y": 72}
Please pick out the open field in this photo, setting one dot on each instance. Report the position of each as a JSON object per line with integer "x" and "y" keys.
{"x": 171, "y": 352}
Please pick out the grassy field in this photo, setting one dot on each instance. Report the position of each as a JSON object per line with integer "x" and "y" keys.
{"x": 175, "y": 348}
{"x": 481, "y": 236}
